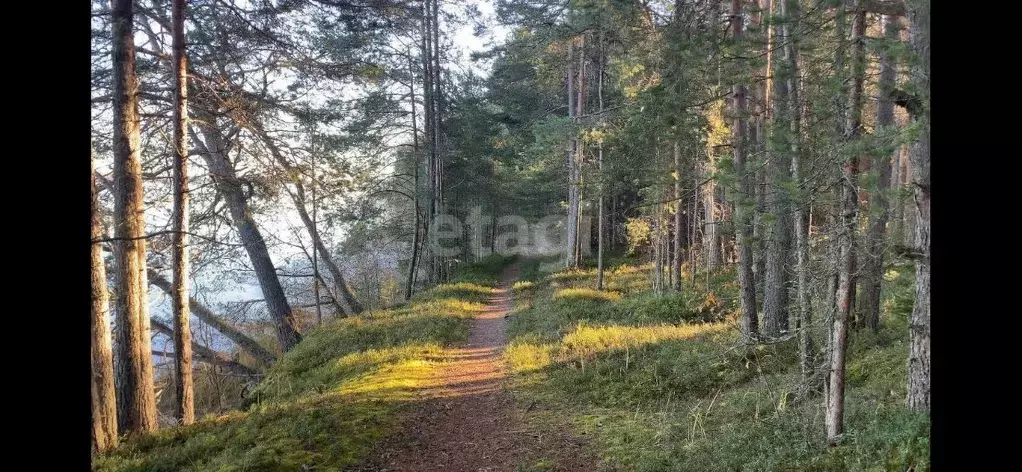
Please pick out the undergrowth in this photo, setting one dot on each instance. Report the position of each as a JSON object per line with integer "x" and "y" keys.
{"x": 324, "y": 403}
{"x": 661, "y": 382}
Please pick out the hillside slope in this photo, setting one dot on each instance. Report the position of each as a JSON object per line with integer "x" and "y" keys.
{"x": 623, "y": 377}
{"x": 663, "y": 383}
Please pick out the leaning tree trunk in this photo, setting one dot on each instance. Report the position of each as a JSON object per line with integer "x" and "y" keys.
{"x": 206, "y": 315}
{"x": 136, "y": 399}
{"x": 350, "y": 304}
{"x": 184, "y": 391}
{"x": 208, "y": 355}
{"x": 919, "y": 323}
{"x": 230, "y": 188}
{"x": 846, "y": 238}
{"x": 743, "y": 217}
{"x": 104, "y": 402}
{"x": 873, "y": 266}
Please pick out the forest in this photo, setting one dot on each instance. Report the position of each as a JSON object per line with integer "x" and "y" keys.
{"x": 510, "y": 235}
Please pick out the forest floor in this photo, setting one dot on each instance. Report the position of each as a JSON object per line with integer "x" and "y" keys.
{"x": 514, "y": 367}
{"x": 467, "y": 420}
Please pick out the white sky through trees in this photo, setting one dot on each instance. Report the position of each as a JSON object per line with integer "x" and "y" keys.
{"x": 229, "y": 281}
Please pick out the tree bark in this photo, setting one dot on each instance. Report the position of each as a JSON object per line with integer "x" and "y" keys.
{"x": 104, "y": 401}
{"x": 429, "y": 128}
{"x": 779, "y": 145}
{"x": 571, "y": 228}
{"x": 919, "y": 323}
{"x": 230, "y": 188}
{"x": 184, "y": 389}
{"x": 743, "y": 217}
{"x": 136, "y": 400}
{"x": 765, "y": 92}
{"x": 846, "y": 238}
{"x": 438, "y": 134}
{"x": 410, "y": 284}
{"x": 873, "y": 266}
{"x": 711, "y": 231}
{"x": 803, "y": 317}
{"x": 679, "y": 215}
{"x": 599, "y": 163}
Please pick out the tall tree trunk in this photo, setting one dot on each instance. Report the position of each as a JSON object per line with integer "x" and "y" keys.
{"x": 919, "y": 323}
{"x": 599, "y": 163}
{"x": 897, "y": 212}
{"x": 711, "y": 227}
{"x": 679, "y": 215}
{"x": 104, "y": 401}
{"x": 410, "y": 284}
{"x": 438, "y": 135}
{"x": 230, "y": 188}
{"x": 314, "y": 230}
{"x": 801, "y": 208}
{"x": 136, "y": 399}
{"x": 743, "y": 217}
{"x": 580, "y": 110}
{"x": 184, "y": 391}
{"x": 846, "y": 238}
{"x": 778, "y": 243}
{"x": 429, "y": 127}
{"x": 909, "y": 221}
{"x": 571, "y": 228}
{"x": 873, "y": 266}
{"x": 766, "y": 93}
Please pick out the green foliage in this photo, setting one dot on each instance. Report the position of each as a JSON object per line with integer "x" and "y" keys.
{"x": 325, "y": 402}
{"x": 639, "y": 233}
{"x": 656, "y": 388}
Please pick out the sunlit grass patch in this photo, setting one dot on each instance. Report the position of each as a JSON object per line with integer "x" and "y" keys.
{"x": 525, "y": 356}
{"x": 588, "y": 340}
{"x": 466, "y": 291}
{"x": 523, "y": 285}
{"x": 569, "y": 275}
{"x": 586, "y": 294}
{"x": 394, "y": 381}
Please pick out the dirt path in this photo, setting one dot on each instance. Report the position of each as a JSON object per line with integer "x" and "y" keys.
{"x": 465, "y": 422}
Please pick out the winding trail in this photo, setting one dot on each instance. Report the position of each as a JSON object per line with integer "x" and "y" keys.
{"x": 464, "y": 422}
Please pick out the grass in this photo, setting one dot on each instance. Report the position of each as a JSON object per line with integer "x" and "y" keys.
{"x": 654, "y": 382}
{"x": 326, "y": 402}
{"x": 661, "y": 382}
